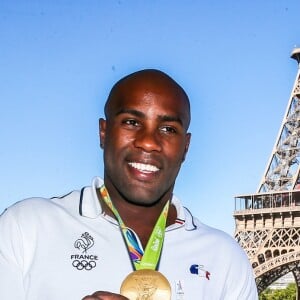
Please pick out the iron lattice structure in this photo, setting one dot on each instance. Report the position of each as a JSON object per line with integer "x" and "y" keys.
{"x": 268, "y": 222}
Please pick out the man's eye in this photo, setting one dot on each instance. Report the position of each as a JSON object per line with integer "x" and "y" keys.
{"x": 131, "y": 122}
{"x": 168, "y": 129}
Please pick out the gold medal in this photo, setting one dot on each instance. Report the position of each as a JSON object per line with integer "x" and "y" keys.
{"x": 146, "y": 284}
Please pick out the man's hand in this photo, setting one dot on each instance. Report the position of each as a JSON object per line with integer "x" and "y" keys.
{"x": 100, "y": 295}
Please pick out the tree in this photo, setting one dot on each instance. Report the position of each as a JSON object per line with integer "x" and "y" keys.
{"x": 289, "y": 293}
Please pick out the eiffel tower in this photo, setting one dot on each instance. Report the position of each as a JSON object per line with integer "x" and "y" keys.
{"x": 268, "y": 222}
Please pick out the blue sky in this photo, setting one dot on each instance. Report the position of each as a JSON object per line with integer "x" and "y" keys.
{"x": 59, "y": 59}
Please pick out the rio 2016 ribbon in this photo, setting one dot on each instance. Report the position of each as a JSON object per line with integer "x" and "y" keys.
{"x": 149, "y": 258}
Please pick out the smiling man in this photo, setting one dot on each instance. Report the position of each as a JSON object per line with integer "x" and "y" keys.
{"x": 127, "y": 236}
{"x": 145, "y": 140}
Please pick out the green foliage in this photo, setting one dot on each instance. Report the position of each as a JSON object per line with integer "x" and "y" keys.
{"x": 289, "y": 293}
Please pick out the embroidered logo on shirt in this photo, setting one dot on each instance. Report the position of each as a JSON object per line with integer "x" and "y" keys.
{"x": 85, "y": 242}
{"x": 84, "y": 261}
{"x": 179, "y": 290}
{"x": 200, "y": 271}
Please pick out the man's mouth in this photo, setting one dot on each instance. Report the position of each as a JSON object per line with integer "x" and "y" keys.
{"x": 144, "y": 167}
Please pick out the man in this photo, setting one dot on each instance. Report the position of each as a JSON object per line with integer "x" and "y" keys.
{"x": 127, "y": 234}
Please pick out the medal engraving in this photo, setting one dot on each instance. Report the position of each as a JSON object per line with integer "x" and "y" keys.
{"x": 146, "y": 285}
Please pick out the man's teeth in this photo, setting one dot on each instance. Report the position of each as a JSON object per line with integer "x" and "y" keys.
{"x": 144, "y": 167}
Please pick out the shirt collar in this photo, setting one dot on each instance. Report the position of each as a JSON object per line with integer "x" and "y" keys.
{"x": 89, "y": 203}
{"x": 90, "y": 206}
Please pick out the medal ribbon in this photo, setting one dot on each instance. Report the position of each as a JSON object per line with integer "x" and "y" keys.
{"x": 149, "y": 258}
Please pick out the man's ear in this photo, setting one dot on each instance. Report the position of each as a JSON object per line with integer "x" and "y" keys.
{"x": 187, "y": 145}
{"x": 102, "y": 131}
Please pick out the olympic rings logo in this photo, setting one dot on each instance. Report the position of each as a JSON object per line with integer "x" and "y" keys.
{"x": 84, "y": 264}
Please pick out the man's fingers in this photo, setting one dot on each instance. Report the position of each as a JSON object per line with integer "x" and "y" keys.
{"x": 101, "y": 295}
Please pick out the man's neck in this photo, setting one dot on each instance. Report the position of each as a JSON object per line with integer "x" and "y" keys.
{"x": 141, "y": 219}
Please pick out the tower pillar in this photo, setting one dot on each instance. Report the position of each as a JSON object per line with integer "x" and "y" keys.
{"x": 267, "y": 223}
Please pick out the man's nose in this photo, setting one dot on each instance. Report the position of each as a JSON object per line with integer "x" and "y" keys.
{"x": 148, "y": 140}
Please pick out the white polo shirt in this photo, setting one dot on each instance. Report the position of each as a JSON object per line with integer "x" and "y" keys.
{"x": 66, "y": 248}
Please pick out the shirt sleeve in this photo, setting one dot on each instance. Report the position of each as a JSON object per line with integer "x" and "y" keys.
{"x": 11, "y": 258}
{"x": 240, "y": 279}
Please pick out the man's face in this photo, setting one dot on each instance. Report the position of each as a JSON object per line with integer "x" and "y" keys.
{"x": 145, "y": 141}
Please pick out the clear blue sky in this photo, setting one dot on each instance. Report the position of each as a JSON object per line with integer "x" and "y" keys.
{"x": 59, "y": 59}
